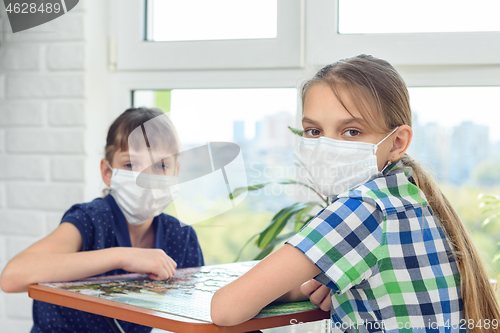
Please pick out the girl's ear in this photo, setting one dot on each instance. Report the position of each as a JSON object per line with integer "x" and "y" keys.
{"x": 401, "y": 143}
{"x": 177, "y": 169}
{"x": 105, "y": 172}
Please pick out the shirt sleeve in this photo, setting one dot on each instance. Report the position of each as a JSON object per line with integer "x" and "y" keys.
{"x": 343, "y": 241}
{"x": 77, "y": 216}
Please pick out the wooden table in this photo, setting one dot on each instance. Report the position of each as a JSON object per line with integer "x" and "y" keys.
{"x": 160, "y": 319}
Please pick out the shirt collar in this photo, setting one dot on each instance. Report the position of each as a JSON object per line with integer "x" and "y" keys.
{"x": 398, "y": 165}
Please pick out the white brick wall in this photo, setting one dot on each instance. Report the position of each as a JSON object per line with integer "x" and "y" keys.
{"x": 2, "y": 303}
{"x": 64, "y": 57}
{"x": 21, "y": 57}
{"x": 22, "y": 167}
{"x": 66, "y": 114}
{"x": 2, "y": 141}
{"x": 3, "y": 252}
{"x": 42, "y": 140}
{"x": 48, "y": 140}
{"x": 2, "y": 85}
{"x": 2, "y": 195}
{"x": 17, "y": 222}
{"x": 67, "y": 169}
{"x": 16, "y": 244}
{"x": 44, "y": 85}
{"x": 46, "y": 196}
{"x": 20, "y": 114}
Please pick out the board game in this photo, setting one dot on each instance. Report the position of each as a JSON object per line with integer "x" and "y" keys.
{"x": 188, "y": 293}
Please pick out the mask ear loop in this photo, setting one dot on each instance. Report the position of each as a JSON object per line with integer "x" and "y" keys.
{"x": 388, "y": 135}
{"x": 109, "y": 166}
{"x": 108, "y": 189}
{"x": 386, "y": 166}
{"x": 376, "y": 147}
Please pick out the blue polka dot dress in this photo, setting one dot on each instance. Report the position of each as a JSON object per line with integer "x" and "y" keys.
{"x": 102, "y": 225}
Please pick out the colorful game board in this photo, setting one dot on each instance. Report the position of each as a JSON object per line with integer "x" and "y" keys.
{"x": 188, "y": 293}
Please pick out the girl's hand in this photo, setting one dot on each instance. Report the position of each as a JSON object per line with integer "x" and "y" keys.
{"x": 318, "y": 294}
{"x": 153, "y": 262}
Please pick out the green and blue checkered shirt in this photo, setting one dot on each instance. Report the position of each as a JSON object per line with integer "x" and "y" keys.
{"x": 386, "y": 258}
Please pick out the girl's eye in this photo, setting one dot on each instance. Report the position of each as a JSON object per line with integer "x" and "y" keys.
{"x": 129, "y": 166}
{"x": 313, "y": 132}
{"x": 352, "y": 133}
{"x": 161, "y": 166}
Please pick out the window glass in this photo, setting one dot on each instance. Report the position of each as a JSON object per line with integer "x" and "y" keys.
{"x": 396, "y": 16}
{"x": 457, "y": 138}
{"x": 256, "y": 120}
{"x": 153, "y": 98}
{"x": 188, "y": 20}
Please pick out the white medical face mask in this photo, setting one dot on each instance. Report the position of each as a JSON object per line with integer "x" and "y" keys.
{"x": 139, "y": 204}
{"x": 335, "y": 166}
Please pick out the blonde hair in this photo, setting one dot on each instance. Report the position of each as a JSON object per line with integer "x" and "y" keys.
{"x": 380, "y": 94}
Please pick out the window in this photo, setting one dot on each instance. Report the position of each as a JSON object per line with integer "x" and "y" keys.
{"x": 171, "y": 20}
{"x": 464, "y": 122}
{"x": 326, "y": 44}
{"x": 395, "y": 16}
{"x": 457, "y": 138}
{"x": 133, "y": 27}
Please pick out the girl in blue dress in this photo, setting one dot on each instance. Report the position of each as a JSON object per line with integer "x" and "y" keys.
{"x": 125, "y": 231}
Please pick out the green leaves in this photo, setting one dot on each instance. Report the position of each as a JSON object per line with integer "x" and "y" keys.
{"x": 491, "y": 205}
{"x": 269, "y": 248}
{"x": 296, "y": 216}
{"x": 296, "y": 131}
{"x": 279, "y": 221}
{"x": 241, "y": 190}
{"x": 488, "y": 196}
{"x": 269, "y": 238}
{"x": 489, "y": 219}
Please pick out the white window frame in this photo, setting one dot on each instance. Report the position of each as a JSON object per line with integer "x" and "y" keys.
{"x": 124, "y": 83}
{"x": 423, "y": 59}
{"x": 324, "y": 44}
{"x": 133, "y": 52}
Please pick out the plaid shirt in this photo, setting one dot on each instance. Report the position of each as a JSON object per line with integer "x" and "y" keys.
{"x": 386, "y": 259}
